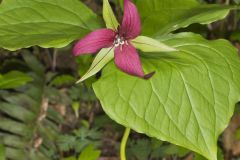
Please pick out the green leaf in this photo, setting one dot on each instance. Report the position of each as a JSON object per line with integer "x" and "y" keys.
{"x": 33, "y": 63}
{"x": 15, "y": 154}
{"x": 66, "y": 142}
{"x": 164, "y": 16}
{"x": 89, "y": 153}
{"x": 109, "y": 17}
{"x": 2, "y": 152}
{"x": 13, "y": 79}
{"x": 141, "y": 149}
{"x": 76, "y": 106}
{"x": 16, "y": 112}
{"x": 188, "y": 102}
{"x": 62, "y": 80}
{"x": 220, "y": 155}
{"x": 70, "y": 158}
{"x": 102, "y": 58}
{"x": 147, "y": 44}
{"x": 14, "y": 141}
{"x": 235, "y": 36}
{"x": 14, "y": 127}
{"x": 48, "y": 23}
{"x": 168, "y": 150}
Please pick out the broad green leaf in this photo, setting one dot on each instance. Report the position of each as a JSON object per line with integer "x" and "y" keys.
{"x": 102, "y": 58}
{"x": 164, "y": 16}
{"x": 109, "y": 17}
{"x": 89, "y": 153}
{"x": 48, "y": 23}
{"x": 13, "y": 79}
{"x": 147, "y": 44}
{"x": 188, "y": 102}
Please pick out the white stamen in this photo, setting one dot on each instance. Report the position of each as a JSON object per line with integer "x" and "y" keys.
{"x": 119, "y": 41}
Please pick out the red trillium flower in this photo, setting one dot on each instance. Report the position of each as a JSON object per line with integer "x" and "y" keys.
{"x": 118, "y": 39}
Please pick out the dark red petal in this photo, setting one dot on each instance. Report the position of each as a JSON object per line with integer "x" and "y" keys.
{"x": 131, "y": 24}
{"x": 127, "y": 59}
{"x": 94, "y": 41}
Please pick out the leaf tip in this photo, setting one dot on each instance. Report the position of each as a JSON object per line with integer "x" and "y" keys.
{"x": 171, "y": 49}
{"x": 79, "y": 81}
{"x": 149, "y": 75}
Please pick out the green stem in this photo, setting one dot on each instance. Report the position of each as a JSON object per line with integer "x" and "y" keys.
{"x": 123, "y": 144}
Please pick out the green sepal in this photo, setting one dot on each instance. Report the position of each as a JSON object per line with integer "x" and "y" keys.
{"x": 102, "y": 58}
{"x": 147, "y": 44}
{"x": 109, "y": 17}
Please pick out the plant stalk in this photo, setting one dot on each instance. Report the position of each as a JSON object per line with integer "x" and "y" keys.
{"x": 124, "y": 143}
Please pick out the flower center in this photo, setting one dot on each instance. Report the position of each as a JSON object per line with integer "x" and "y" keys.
{"x": 119, "y": 41}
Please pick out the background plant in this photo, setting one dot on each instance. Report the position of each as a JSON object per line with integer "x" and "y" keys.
{"x": 28, "y": 81}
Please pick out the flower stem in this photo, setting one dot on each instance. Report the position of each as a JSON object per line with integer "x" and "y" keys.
{"x": 123, "y": 144}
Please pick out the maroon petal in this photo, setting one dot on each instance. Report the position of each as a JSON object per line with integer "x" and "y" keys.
{"x": 93, "y": 42}
{"x": 131, "y": 24}
{"x": 127, "y": 59}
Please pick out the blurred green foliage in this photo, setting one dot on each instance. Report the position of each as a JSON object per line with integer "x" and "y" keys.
{"x": 2, "y": 152}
